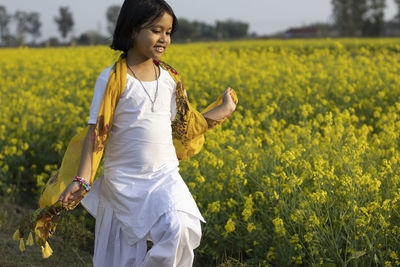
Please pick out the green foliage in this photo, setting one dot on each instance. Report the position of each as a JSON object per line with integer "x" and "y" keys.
{"x": 77, "y": 229}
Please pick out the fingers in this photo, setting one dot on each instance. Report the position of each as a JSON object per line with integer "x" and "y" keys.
{"x": 227, "y": 94}
{"x": 61, "y": 198}
{"x": 64, "y": 194}
{"x": 228, "y": 91}
{"x": 66, "y": 199}
{"x": 71, "y": 198}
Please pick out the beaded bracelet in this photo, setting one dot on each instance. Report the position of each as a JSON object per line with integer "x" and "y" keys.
{"x": 82, "y": 182}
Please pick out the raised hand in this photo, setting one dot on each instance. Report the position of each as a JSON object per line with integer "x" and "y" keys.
{"x": 227, "y": 102}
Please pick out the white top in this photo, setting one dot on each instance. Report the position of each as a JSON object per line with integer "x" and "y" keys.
{"x": 140, "y": 140}
{"x": 141, "y": 178}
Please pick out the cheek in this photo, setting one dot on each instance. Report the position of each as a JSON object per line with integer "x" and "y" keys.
{"x": 168, "y": 41}
{"x": 144, "y": 41}
{"x": 151, "y": 40}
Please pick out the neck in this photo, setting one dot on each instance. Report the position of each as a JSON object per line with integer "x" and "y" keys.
{"x": 133, "y": 59}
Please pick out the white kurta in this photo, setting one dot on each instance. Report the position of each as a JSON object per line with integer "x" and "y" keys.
{"x": 140, "y": 177}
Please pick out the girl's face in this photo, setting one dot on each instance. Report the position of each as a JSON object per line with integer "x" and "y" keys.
{"x": 152, "y": 41}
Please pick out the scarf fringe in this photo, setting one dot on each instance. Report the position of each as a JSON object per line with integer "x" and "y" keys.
{"x": 16, "y": 236}
{"x": 29, "y": 242}
{"x": 21, "y": 244}
{"x": 46, "y": 250}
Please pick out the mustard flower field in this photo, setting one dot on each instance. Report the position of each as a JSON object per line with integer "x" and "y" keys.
{"x": 305, "y": 172}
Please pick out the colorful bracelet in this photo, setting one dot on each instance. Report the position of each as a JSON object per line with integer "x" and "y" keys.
{"x": 82, "y": 182}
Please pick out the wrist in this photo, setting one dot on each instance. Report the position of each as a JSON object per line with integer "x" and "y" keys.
{"x": 82, "y": 182}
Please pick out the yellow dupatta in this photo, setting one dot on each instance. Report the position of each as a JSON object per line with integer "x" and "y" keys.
{"x": 187, "y": 128}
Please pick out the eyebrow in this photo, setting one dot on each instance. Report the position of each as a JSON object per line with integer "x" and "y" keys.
{"x": 159, "y": 26}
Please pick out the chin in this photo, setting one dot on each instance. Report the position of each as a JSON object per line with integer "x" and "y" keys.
{"x": 157, "y": 57}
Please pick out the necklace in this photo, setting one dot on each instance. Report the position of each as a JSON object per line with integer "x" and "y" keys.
{"x": 155, "y": 96}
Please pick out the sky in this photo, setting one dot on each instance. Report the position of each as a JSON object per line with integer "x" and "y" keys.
{"x": 263, "y": 16}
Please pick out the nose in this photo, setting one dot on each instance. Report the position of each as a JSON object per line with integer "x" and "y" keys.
{"x": 164, "y": 38}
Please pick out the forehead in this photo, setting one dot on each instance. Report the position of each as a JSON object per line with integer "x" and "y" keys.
{"x": 164, "y": 21}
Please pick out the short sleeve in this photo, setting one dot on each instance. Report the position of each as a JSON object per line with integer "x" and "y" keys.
{"x": 99, "y": 90}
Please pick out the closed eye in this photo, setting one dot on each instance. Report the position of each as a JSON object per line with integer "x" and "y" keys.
{"x": 158, "y": 31}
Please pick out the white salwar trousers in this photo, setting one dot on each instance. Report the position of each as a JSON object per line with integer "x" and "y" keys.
{"x": 175, "y": 235}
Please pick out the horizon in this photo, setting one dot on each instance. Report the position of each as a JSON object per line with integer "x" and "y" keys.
{"x": 263, "y": 17}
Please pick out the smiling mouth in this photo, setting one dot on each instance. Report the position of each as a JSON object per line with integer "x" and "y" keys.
{"x": 159, "y": 48}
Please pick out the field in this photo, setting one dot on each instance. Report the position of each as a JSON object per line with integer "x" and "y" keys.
{"x": 305, "y": 172}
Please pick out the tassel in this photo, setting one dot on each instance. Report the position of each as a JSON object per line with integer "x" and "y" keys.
{"x": 29, "y": 242}
{"x": 46, "y": 250}
{"x": 21, "y": 244}
{"x": 16, "y": 235}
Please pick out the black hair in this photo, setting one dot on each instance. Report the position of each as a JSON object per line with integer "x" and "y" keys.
{"x": 136, "y": 15}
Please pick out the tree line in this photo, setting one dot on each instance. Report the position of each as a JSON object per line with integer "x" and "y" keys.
{"x": 29, "y": 24}
{"x": 361, "y": 17}
{"x": 350, "y": 18}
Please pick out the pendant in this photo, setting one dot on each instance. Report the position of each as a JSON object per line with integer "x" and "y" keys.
{"x": 152, "y": 108}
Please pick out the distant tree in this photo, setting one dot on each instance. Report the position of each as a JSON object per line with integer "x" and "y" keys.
{"x": 194, "y": 30}
{"x": 231, "y": 29}
{"x": 398, "y": 10}
{"x": 349, "y": 15}
{"x": 374, "y": 24}
{"x": 359, "y": 17}
{"x": 187, "y": 30}
{"x": 21, "y": 17}
{"x": 91, "y": 38}
{"x": 112, "y": 16}
{"x": 53, "y": 41}
{"x": 65, "y": 21}
{"x": 4, "y": 21}
{"x": 201, "y": 31}
{"x": 10, "y": 40}
{"x": 33, "y": 25}
{"x": 205, "y": 31}
{"x": 253, "y": 35}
